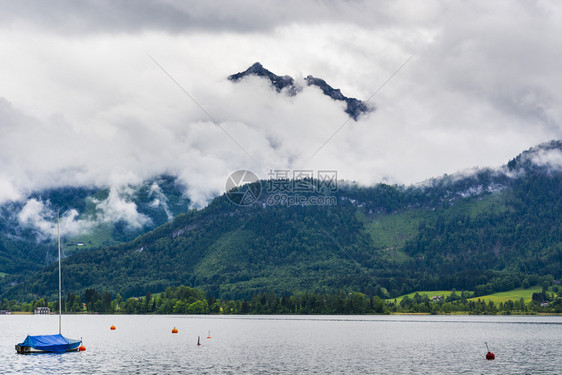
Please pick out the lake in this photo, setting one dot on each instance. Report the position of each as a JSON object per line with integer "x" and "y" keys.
{"x": 144, "y": 344}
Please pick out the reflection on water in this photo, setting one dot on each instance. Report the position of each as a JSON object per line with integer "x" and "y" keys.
{"x": 144, "y": 344}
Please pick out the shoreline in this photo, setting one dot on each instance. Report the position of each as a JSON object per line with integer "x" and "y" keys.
{"x": 458, "y": 313}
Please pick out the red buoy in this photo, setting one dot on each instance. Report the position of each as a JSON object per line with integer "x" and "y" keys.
{"x": 489, "y": 355}
{"x": 112, "y": 328}
{"x": 82, "y": 348}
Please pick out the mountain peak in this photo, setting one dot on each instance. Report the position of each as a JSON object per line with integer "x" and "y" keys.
{"x": 256, "y": 67}
{"x": 278, "y": 82}
{"x": 355, "y": 108}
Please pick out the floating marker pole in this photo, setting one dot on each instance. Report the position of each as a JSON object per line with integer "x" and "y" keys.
{"x": 209, "y": 335}
{"x": 489, "y": 356}
{"x": 198, "y": 340}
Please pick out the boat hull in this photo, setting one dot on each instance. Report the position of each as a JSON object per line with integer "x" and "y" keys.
{"x": 32, "y": 350}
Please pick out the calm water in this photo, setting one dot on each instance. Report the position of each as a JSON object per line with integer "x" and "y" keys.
{"x": 292, "y": 345}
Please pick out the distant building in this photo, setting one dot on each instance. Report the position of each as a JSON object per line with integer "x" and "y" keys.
{"x": 556, "y": 282}
{"x": 42, "y": 311}
{"x": 545, "y": 304}
{"x": 79, "y": 243}
{"x": 437, "y": 298}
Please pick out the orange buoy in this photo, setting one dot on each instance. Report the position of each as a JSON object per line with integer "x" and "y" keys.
{"x": 112, "y": 328}
{"x": 209, "y": 335}
{"x": 174, "y": 330}
{"x": 489, "y": 356}
{"x": 82, "y": 348}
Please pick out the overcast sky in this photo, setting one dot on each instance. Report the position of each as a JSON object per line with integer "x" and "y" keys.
{"x": 82, "y": 102}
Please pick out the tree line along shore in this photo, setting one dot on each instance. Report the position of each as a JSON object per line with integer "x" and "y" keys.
{"x": 186, "y": 300}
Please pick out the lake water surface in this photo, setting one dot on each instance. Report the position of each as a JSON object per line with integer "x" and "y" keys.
{"x": 144, "y": 344}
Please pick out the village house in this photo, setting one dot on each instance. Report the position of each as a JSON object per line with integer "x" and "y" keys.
{"x": 42, "y": 310}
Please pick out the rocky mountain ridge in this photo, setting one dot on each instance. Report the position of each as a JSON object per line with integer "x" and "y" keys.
{"x": 355, "y": 108}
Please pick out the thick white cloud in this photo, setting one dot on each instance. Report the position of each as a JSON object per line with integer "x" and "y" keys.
{"x": 38, "y": 215}
{"x": 118, "y": 207}
{"x": 83, "y": 104}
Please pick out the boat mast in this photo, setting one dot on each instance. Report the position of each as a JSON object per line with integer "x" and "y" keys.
{"x": 60, "y": 293}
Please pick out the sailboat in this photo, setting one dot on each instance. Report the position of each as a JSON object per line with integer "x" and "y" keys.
{"x": 50, "y": 343}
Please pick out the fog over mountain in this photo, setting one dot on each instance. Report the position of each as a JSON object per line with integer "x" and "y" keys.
{"x": 90, "y": 94}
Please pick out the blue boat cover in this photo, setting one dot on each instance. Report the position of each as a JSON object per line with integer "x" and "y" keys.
{"x": 51, "y": 343}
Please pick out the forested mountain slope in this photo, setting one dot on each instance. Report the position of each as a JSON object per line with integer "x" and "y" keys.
{"x": 486, "y": 231}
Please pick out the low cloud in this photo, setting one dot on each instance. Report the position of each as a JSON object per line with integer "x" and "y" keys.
{"x": 159, "y": 200}
{"x": 116, "y": 207}
{"x": 42, "y": 218}
{"x": 119, "y": 207}
{"x": 549, "y": 158}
